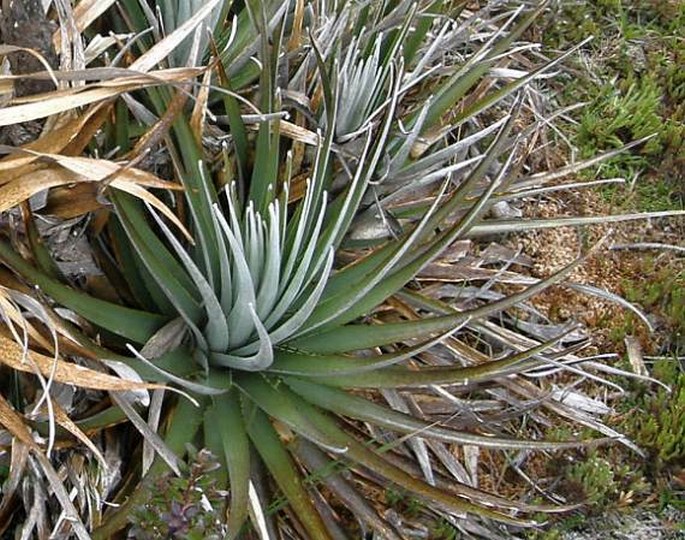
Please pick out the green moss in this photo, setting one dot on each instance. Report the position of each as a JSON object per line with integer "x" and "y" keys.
{"x": 617, "y": 117}
{"x": 660, "y": 430}
{"x": 662, "y": 292}
{"x": 596, "y": 478}
{"x": 635, "y": 87}
{"x": 444, "y": 530}
{"x": 599, "y": 481}
{"x": 403, "y": 503}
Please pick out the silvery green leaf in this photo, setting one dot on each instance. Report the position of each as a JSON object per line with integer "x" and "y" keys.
{"x": 297, "y": 319}
{"x": 258, "y": 361}
{"x": 150, "y": 436}
{"x": 438, "y": 159}
{"x": 240, "y": 327}
{"x": 216, "y": 330}
{"x": 580, "y": 401}
{"x": 302, "y": 274}
{"x": 177, "y": 12}
{"x": 270, "y": 280}
{"x": 129, "y": 374}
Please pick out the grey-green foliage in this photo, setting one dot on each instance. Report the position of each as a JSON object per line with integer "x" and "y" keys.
{"x": 175, "y": 13}
{"x": 281, "y": 312}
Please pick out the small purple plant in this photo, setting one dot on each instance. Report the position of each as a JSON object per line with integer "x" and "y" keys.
{"x": 186, "y": 507}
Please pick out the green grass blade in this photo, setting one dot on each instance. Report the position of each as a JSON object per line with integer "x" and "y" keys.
{"x": 385, "y": 281}
{"x": 352, "y": 275}
{"x": 507, "y": 226}
{"x": 378, "y": 371}
{"x": 357, "y": 453}
{"x": 216, "y": 329}
{"x": 398, "y": 377}
{"x": 133, "y": 324}
{"x": 224, "y": 418}
{"x": 361, "y": 336}
{"x": 321, "y": 466}
{"x": 283, "y": 469}
{"x": 143, "y": 287}
{"x": 491, "y": 99}
{"x": 177, "y": 286}
{"x": 459, "y": 84}
{"x": 330, "y": 311}
{"x": 352, "y": 406}
{"x": 41, "y": 254}
{"x": 139, "y": 233}
{"x": 201, "y": 196}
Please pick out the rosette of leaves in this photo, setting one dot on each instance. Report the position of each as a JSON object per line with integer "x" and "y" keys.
{"x": 258, "y": 313}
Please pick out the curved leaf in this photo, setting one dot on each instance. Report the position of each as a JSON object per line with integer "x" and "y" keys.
{"x": 280, "y": 464}
{"x": 132, "y": 324}
{"x": 346, "y": 404}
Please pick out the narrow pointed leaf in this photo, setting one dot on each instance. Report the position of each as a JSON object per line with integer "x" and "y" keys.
{"x": 346, "y": 404}
{"x": 280, "y": 464}
{"x": 130, "y": 323}
{"x": 224, "y": 418}
{"x": 360, "y": 336}
{"x": 357, "y": 453}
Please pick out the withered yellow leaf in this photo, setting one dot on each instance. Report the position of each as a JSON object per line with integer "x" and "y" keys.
{"x": 12, "y": 355}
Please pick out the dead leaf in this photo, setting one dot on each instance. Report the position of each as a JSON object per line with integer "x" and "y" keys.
{"x": 60, "y": 140}
{"x": 43, "y": 105}
{"x": 62, "y": 418}
{"x": 197, "y": 119}
{"x": 16, "y": 425}
{"x": 68, "y": 202}
{"x": 85, "y": 12}
{"x": 634, "y": 351}
{"x": 81, "y": 169}
{"x": 12, "y": 355}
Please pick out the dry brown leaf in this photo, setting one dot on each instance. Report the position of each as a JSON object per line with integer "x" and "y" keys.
{"x": 298, "y": 187}
{"x": 47, "y": 104}
{"x": 15, "y": 424}
{"x": 57, "y": 102}
{"x": 634, "y": 352}
{"x": 22, "y": 189}
{"x": 85, "y": 12}
{"x": 12, "y": 355}
{"x": 55, "y": 141}
{"x": 296, "y": 35}
{"x": 197, "y": 119}
{"x": 82, "y": 169}
{"x": 298, "y": 133}
{"x": 159, "y": 130}
{"x": 97, "y": 170}
{"x": 18, "y": 458}
{"x": 62, "y": 418}
{"x": 68, "y": 202}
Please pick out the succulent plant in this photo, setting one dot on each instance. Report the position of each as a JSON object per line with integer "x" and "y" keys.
{"x": 280, "y": 281}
